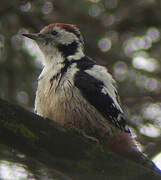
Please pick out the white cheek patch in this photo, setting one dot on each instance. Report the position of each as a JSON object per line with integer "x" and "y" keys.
{"x": 101, "y": 74}
{"x": 51, "y": 56}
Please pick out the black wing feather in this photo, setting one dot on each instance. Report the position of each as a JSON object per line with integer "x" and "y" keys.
{"x": 91, "y": 89}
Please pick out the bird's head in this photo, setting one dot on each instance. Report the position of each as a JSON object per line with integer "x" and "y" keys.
{"x": 58, "y": 38}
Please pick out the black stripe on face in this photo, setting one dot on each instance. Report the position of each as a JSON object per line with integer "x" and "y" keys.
{"x": 69, "y": 49}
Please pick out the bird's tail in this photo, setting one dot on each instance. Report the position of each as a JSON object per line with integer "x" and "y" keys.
{"x": 125, "y": 145}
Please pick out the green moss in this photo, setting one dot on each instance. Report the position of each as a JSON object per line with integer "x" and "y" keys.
{"x": 20, "y": 129}
{"x": 43, "y": 132}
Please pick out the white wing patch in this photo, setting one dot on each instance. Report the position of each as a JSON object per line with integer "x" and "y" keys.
{"x": 101, "y": 73}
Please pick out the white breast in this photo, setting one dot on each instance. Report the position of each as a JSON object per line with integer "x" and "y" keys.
{"x": 67, "y": 106}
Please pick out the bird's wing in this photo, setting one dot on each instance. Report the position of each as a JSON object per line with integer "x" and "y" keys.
{"x": 97, "y": 87}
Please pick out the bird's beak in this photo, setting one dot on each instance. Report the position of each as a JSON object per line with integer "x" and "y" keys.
{"x": 32, "y": 36}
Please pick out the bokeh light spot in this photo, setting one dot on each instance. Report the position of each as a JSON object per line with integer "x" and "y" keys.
{"x": 150, "y": 130}
{"x": 120, "y": 71}
{"x": 141, "y": 54}
{"x": 136, "y": 119}
{"x": 30, "y": 45}
{"x": 26, "y": 7}
{"x": 108, "y": 20}
{"x": 152, "y": 84}
{"x": 94, "y": 10}
{"x": 22, "y": 97}
{"x": 47, "y": 7}
{"x": 146, "y": 43}
{"x": 152, "y": 111}
{"x": 16, "y": 171}
{"x": 104, "y": 44}
{"x": 147, "y": 64}
{"x": 154, "y": 34}
{"x": 16, "y": 41}
{"x": 22, "y": 31}
{"x": 34, "y": 50}
{"x": 136, "y": 43}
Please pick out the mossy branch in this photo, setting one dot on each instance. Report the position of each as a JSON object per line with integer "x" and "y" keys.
{"x": 62, "y": 154}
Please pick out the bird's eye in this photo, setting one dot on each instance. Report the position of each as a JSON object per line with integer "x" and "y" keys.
{"x": 54, "y": 32}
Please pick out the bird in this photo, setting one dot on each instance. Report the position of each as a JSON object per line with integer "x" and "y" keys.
{"x": 76, "y": 92}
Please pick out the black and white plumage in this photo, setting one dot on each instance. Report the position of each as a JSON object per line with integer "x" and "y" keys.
{"x": 76, "y": 92}
{"x": 97, "y": 86}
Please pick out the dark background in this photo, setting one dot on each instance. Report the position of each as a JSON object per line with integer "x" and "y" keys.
{"x": 122, "y": 35}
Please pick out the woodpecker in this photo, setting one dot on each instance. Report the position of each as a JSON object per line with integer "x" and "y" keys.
{"x": 77, "y": 93}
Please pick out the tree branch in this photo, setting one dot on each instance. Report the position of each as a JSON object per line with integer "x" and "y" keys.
{"x": 62, "y": 154}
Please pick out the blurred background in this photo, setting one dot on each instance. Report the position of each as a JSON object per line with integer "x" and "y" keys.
{"x": 125, "y": 36}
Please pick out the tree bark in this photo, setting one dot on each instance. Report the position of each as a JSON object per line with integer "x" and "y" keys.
{"x": 52, "y": 152}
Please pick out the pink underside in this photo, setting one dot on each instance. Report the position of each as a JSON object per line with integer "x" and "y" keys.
{"x": 122, "y": 143}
